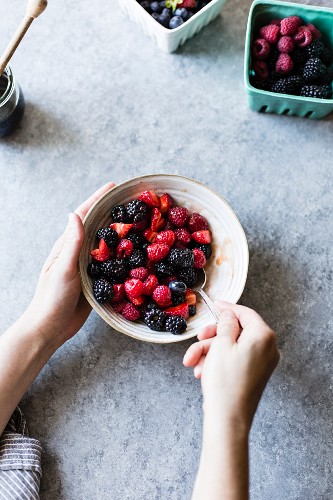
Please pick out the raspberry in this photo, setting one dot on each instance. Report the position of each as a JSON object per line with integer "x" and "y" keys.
{"x": 181, "y": 310}
{"x": 183, "y": 235}
{"x": 318, "y": 91}
{"x": 178, "y": 216}
{"x": 162, "y": 296}
{"x": 155, "y": 319}
{"x": 286, "y": 44}
{"x": 133, "y": 287}
{"x": 176, "y": 324}
{"x": 270, "y": 33}
{"x": 276, "y": 22}
{"x": 315, "y": 71}
{"x": 289, "y": 25}
{"x": 137, "y": 259}
{"x": 167, "y": 237}
{"x": 136, "y": 211}
{"x": 207, "y": 249}
{"x": 137, "y": 301}
{"x": 102, "y": 253}
{"x": 157, "y": 222}
{"x": 199, "y": 258}
{"x": 130, "y": 312}
{"x": 119, "y": 306}
{"x": 261, "y": 49}
{"x": 140, "y": 273}
{"x": 261, "y": 70}
{"x": 124, "y": 249}
{"x": 197, "y": 222}
{"x": 115, "y": 269}
{"x": 202, "y": 236}
{"x": 149, "y": 285}
{"x": 94, "y": 270}
{"x": 119, "y": 292}
{"x": 303, "y": 37}
{"x": 314, "y": 32}
{"x": 188, "y": 275}
{"x": 109, "y": 235}
{"x": 181, "y": 258}
{"x": 103, "y": 290}
{"x": 165, "y": 203}
{"x": 284, "y": 64}
{"x": 163, "y": 269}
{"x": 157, "y": 251}
{"x": 119, "y": 214}
{"x": 140, "y": 226}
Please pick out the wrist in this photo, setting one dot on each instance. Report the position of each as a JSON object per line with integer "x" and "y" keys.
{"x": 38, "y": 331}
{"x": 223, "y": 421}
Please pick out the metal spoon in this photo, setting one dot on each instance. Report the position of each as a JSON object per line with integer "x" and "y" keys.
{"x": 199, "y": 288}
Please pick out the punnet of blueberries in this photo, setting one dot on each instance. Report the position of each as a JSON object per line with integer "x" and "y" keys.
{"x": 290, "y": 56}
{"x": 172, "y": 13}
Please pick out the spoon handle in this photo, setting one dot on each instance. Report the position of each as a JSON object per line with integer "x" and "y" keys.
{"x": 211, "y": 305}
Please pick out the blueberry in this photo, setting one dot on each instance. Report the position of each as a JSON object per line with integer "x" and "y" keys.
{"x": 177, "y": 287}
{"x": 175, "y": 22}
{"x": 145, "y": 4}
{"x": 155, "y": 16}
{"x": 155, "y": 7}
{"x": 162, "y": 4}
{"x": 189, "y": 14}
{"x": 166, "y": 12}
{"x": 182, "y": 12}
{"x": 164, "y": 20}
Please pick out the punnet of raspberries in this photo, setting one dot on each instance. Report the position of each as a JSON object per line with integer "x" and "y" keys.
{"x": 146, "y": 261}
{"x": 172, "y": 13}
{"x": 290, "y": 56}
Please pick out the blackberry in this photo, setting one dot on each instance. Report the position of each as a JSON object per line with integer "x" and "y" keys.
{"x": 137, "y": 259}
{"x": 103, "y": 290}
{"x": 207, "y": 249}
{"x": 109, "y": 235}
{"x": 119, "y": 214}
{"x": 315, "y": 49}
{"x": 136, "y": 209}
{"x": 155, "y": 319}
{"x": 94, "y": 270}
{"x": 136, "y": 239}
{"x": 289, "y": 85}
{"x": 181, "y": 257}
{"x": 188, "y": 275}
{"x": 318, "y": 91}
{"x": 192, "y": 310}
{"x": 177, "y": 298}
{"x": 115, "y": 269}
{"x": 315, "y": 71}
{"x": 299, "y": 57}
{"x": 163, "y": 270}
{"x": 327, "y": 56}
{"x": 176, "y": 324}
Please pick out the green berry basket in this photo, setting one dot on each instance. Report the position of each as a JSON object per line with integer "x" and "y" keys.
{"x": 261, "y": 13}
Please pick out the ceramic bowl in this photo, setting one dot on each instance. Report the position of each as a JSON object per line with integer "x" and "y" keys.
{"x": 226, "y": 269}
{"x": 167, "y": 39}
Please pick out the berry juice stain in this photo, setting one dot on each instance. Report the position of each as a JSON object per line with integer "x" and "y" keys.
{"x": 11, "y": 103}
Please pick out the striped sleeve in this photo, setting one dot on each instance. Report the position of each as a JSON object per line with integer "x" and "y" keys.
{"x": 20, "y": 461}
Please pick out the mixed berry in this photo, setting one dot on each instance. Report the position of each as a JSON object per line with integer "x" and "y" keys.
{"x": 290, "y": 57}
{"x": 147, "y": 261}
{"x": 172, "y": 13}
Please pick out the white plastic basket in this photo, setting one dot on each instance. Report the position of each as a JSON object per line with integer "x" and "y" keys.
{"x": 167, "y": 39}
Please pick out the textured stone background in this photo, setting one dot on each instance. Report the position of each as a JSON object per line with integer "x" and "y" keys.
{"x": 121, "y": 419}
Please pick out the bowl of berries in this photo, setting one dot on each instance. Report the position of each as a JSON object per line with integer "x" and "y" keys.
{"x": 171, "y": 22}
{"x": 146, "y": 241}
{"x": 288, "y": 59}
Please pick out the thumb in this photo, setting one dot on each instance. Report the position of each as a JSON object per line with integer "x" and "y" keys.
{"x": 228, "y": 326}
{"x": 73, "y": 240}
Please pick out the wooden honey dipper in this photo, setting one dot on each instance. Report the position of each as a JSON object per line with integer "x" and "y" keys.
{"x": 34, "y": 9}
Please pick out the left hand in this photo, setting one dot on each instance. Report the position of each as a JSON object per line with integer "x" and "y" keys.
{"x": 59, "y": 309}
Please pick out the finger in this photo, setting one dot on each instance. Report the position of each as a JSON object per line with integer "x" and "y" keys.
{"x": 199, "y": 367}
{"x": 245, "y": 315}
{"x": 228, "y": 326}
{"x": 195, "y": 351}
{"x": 83, "y": 209}
{"x": 208, "y": 332}
{"x": 53, "y": 255}
{"x": 70, "y": 251}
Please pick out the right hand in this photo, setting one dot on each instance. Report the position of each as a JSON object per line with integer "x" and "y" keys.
{"x": 234, "y": 360}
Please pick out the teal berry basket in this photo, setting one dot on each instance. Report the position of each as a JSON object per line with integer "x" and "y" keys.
{"x": 261, "y": 13}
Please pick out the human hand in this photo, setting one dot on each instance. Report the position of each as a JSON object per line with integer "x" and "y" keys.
{"x": 234, "y": 360}
{"x": 59, "y": 309}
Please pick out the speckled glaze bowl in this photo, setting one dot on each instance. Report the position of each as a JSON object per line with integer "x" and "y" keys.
{"x": 226, "y": 269}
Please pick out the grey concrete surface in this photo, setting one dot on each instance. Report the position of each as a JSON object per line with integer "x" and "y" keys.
{"x": 120, "y": 419}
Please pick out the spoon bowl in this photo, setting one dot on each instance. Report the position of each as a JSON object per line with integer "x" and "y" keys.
{"x": 201, "y": 282}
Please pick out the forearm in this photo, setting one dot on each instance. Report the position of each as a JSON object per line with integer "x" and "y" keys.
{"x": 224, "y": 469}
{"x": 24, "y": 350}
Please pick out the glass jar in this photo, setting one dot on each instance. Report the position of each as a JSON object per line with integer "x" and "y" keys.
{"x": 11, "y": 103}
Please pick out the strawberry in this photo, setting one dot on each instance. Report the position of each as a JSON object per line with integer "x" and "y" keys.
{"x": 167, "y": 237}
{"x": 137, "y": 301}
{"x": 139, "y": 273}
{"x": 157, "y": 222}
{"x": 181, "y": 310}
{"x": 199, "y": 258}
{"x": 119, "y": 292}
{"x": 162, "y": 296}
{"x": 165, "y": 203}
{"x": 124, "y": 249}
{"x": 150, "y": 235}
{"x": 202, "y": 237}
{"x": 178, "y": 216}
{"x": 121, "y": 229}
{"x": 130, "y": 312}
{"x": 190, "y": 297}
{"x": 149, "y": 198}
{"x": 119, "y": 306}
{"x": 183, "y": 235}
{"x": 133, "y": 287}
{"x": 197, "y": 222}
{"x": 187, "y": 4}
{"x": 150, "y": 284}
{"x": 157, "y": 251}
{"x": 102, "y": 253}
